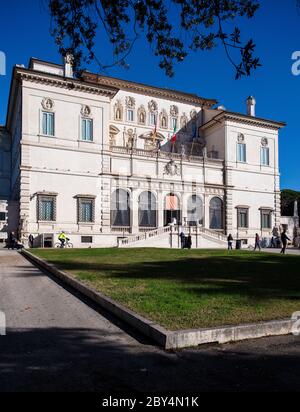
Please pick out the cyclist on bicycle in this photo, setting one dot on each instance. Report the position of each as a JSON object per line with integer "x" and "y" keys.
{"x": 63, "y": 239}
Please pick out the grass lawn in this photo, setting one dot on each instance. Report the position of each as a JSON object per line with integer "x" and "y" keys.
{"x": 189, "y": 289}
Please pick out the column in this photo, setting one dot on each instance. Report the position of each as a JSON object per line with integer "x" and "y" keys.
{"x": 160, "y": 209}
{"x": 134, "y": 211}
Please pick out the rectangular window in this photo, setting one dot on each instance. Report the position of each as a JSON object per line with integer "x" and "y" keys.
{"x": 86, "y": 239}
{"x": 86, "y": 210}
{"x": 241, "y": 152}
{"x": 130, "y": 115}
{"x": 265, "y": 156}
{"x": 174, "y": 123}
{"x": 46, "y": 208}
{"x": 48, "y": 124}
{"x": 2, "y": 216}
{"x": 243, "y": 218}
{"x": 87, "y": 130}
{"x": 152, "y": 119}
{"x": 266, "y": 219}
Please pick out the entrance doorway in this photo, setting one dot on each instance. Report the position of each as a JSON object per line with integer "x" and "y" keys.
{"x": 172, "y": 212}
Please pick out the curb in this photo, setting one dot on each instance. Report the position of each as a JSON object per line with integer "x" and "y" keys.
{"x": 164, "y": 338}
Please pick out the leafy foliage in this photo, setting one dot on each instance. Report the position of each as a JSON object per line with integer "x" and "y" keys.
{"x": 288, "y": 198}
{"x": 173, "y": 28}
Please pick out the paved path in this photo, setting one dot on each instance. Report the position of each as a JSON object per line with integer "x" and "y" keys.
{"x": 56, "y": 342}
{"x": 292, "y": 251}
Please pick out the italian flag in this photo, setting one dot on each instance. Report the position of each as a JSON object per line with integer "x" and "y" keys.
{"x": 154, "y": 134}
{"x": 174, "y": 137}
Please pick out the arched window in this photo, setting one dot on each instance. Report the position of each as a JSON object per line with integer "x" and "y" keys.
{"x": 195, "y": 210}
{"x": 120, "y": 208}
{"x": 147, "y": 210}
{"x": 216, "y": 214}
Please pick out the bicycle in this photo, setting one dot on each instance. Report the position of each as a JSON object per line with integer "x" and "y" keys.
{"x": 66, "y": 245}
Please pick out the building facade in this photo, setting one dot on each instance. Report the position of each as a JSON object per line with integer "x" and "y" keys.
{"x": 103, "y": 159}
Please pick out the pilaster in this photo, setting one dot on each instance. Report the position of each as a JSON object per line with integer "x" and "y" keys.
{"x": 105, "y": 204}
{"x": 24, "y": 194}
{"x": 135, "y": 211}
{"x": 228, "y": 200}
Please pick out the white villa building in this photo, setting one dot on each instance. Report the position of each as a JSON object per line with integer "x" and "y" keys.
{"x": 95, "y": 158}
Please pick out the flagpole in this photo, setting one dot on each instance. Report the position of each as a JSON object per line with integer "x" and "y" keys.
{"x": 173, "y": 139}
{"x": 155, "y": 129}
{"x": 194, "y": 138}
{"x": 154, "y": 134}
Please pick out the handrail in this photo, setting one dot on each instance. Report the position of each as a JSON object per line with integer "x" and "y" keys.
{"x": 160, "y": 154}
{"x": 169, "y": 229}
{"x": 145, "y": 235}
{"x": 208, "y": 232}
{"x": 216, "y": 235}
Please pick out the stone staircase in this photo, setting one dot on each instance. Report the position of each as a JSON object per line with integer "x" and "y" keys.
{"x": 168, "y": 237}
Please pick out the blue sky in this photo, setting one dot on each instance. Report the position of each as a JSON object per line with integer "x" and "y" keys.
{"x": 24, "y": 32}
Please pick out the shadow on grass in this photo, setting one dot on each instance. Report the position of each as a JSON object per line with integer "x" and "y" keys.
{"x": 256, "y": 275}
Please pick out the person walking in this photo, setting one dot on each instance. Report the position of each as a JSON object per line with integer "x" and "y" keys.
{"x": 230, "y": 242}
{"x": 273, "y": 243}
{"x": 284, "y": 240}
{"x": 182, "y": 239}
{"x": 30, "y": 241}
{"x": 189, "y": 242}
{"x": 257, "y": 242}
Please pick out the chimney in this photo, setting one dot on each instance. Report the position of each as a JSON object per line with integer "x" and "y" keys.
{"x": 68, "y": 65}
{"x": 251, "y": 103}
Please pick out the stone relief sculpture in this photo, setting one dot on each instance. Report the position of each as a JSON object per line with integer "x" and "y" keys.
{"x": 48, "y": 104}
{"x": 130, "y": 102}
{"x": 149, "y": 144}
{"x": 130, "y": 138}
{"x": 113, "y": 134}
{"x": 174, "y": 111}
{"x": 86, "y": 111}
{"x": 171, "y": 169}
{"x": 69, "y": 58}
{"x": 152, "y": 106}
{"x": 241, "y": 138}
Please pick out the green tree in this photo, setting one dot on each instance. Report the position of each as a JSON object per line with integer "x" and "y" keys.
{"x": 173, "y": 28}
{"x": 288, "y": 198}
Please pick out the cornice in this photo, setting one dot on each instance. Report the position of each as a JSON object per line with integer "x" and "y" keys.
{"x": 149, "y": 90}
{"x": 85, "y": 196}
{"x": 243, "y": 119}
{"x": 64, "y": 83}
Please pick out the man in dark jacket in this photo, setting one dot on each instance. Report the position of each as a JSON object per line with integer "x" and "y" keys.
{"x": 182, "y": 240}
{"x": 284, "y": 240}
{"x": 189, "y": 242}
{"x": 230, "y": 242}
